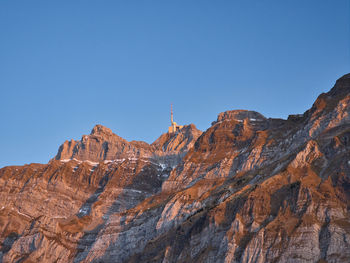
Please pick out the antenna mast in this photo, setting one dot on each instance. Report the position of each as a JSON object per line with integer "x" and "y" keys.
{"x": 172, "y": 117}
{"x": 173, "y": 127}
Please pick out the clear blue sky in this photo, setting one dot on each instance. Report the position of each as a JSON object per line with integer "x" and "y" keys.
{"x": 68, "y": 65}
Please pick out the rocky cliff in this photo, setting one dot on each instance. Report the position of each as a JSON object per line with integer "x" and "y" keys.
{"x": 248, "y": 189}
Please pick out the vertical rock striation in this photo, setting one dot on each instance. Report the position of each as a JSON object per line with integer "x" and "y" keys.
{"x": 248, "y": 189}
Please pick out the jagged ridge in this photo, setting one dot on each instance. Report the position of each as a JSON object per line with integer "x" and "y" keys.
{"x": 249, "y": 189}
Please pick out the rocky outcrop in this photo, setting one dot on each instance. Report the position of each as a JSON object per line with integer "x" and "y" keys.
{"x": 179, "y": 142}
{"x": 248, "y": 189}
{"x": 102, "y": 144}
{"x": 239, "y": 115}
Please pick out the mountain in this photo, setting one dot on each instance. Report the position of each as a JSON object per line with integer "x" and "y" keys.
{"x": 248, "y": 189}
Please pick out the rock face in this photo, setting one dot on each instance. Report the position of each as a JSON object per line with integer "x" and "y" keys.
{"x": 103, "y": 145}
{"x": 249, "y": 189}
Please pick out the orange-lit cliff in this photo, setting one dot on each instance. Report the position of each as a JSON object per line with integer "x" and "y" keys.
{"x": 248, "y": 189}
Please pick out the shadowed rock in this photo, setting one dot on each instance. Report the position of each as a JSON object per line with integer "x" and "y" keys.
{"x": 248, "y": 189}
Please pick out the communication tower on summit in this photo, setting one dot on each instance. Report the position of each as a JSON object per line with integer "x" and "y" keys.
{"x": 174, "y": 127}
{"x": 172, "y": 115}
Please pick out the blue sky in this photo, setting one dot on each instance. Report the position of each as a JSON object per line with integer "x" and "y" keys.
{"x": 68, "y": 65}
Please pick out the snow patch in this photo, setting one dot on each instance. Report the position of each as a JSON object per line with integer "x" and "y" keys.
{"x": 91, "y": 163}
{"x": 114, "y": 161}
{"x": 134, "y": 190}
{"x": 163, "y": 165}
{"x": 84, "y": 210}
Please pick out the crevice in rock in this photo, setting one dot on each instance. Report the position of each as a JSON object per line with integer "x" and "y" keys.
{"x": 8, "y": 243}
{"x": 324, "y": 238}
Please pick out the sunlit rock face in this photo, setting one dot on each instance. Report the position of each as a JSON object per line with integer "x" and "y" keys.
{"x": 248, "y": 189}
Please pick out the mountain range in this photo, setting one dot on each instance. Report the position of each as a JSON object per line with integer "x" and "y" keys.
{"x": 248, "y": 189}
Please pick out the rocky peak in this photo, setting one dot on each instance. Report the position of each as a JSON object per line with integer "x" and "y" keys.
{"x": 327, "y": 101}
{"x": 250, "y": 190}
{"x": 180, "y": 141}
{"x": 102, "y": 144}
{"x": 240, "y": 115}
{"x": 342, "y": 86}
{"x": 101, "y": 130}
{"x": 330, "y": 109}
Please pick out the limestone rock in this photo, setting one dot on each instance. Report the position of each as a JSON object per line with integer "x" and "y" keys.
{"x": 249, "y": 189}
